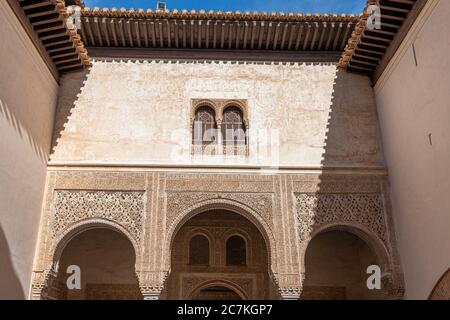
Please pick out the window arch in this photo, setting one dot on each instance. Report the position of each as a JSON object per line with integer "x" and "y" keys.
{"x": 236, "y": 251}
{"x": 233, "y": 129}
{"x": 199, "y": 250}
{"x": 204, "y": 125}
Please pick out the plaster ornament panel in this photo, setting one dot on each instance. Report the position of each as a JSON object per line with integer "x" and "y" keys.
{"x": 217, "y": 229}
{"x": 219, "y": 183}
{"x": 235, "y": 150}
{"x": 124, "y": 208}
{"x": 316, "y": 210}
{"x": 98, "y": 180}
{"x": 204, "y": 149}
{"x": 346, "y": 184}
{"x": 178, "y": 203}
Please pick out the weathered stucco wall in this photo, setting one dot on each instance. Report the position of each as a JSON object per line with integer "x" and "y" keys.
{"x": 27, "y": 100}
{"x": 413, "y": 105}
{"x": 138, "y": 112}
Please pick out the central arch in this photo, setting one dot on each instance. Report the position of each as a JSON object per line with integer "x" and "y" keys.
{"x": 228, "y": 205}
{"x": 105, "y": 259}
{"x": 218, "y": 253}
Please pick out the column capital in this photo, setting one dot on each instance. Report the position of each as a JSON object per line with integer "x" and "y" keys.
{"x": 151, "y": 292}
{"x": 289, "y": 285}
{"x": 151, "y": 283}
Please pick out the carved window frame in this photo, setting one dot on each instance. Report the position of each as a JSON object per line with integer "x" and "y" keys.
{"x": 219, "y": 106}
{"x": 207, "y": 109}
{"x": 246, "y": 244}
{"x": 210, "y": 252}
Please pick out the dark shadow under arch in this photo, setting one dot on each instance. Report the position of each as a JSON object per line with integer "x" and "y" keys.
{"x": 85, "y": 225}
{"x": 365, "y": 235}
{"x": 335, "y": 265}
{"x": 106, "y": 258}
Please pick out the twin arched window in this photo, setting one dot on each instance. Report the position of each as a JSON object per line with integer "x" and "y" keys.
{"x": 232, "y": 127}
{"x": 236, "y": 251}
{"x": 199, "y": 250}
{"x": 204, "y": 126}
{"x": 233, "y": 130}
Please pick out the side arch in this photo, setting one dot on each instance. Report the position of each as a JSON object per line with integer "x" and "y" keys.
{"x": 232, "y": 206}
{"x": 375, "y": 244}
{"x": 62, "y": 240}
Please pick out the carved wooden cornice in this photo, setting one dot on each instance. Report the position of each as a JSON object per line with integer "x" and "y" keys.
{"x": 215, "y": 30}
{"x": 368, "y": 51}
{"x": 49, "y": 21}
{"x": 217, "y": 15}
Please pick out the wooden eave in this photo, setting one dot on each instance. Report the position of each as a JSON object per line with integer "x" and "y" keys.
{"x": 369, "y": 51}
{"x": 215, "y": 30}
{"x": 57, "y": 43}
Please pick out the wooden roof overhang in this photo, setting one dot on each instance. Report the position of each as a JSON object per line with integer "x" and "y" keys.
{"x": 45, "y": 23}
{"x": 369, "y": 51}
{"x": 208, "y": 32}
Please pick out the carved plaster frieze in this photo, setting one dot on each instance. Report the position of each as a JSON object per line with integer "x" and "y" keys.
{"x": 314, "y": 210}
{"x": 344, "y": 184}
{"x": 219, "y": 183}
{"x": 178, "y": 203}
{"x": 123, "y": 208}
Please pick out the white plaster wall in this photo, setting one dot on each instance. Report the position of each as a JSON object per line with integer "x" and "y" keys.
{"x": 27, "y": 100}
{"x": 414, "y": 102}
{"x": 138, "y": 113}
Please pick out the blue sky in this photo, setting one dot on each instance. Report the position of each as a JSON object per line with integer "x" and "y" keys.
{"x": 312, "y": 6}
